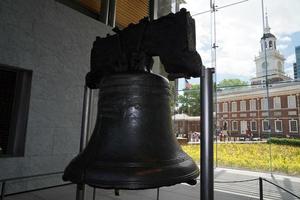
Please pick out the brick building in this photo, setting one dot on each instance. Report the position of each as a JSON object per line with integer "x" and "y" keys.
{"x": 247, "y": 109}
{"x": 257, "y": 109}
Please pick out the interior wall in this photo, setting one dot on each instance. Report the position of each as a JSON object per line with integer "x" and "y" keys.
{"x": 54, "y": 41}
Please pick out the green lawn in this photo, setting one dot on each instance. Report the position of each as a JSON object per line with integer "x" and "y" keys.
{"x": 285, "y": 159}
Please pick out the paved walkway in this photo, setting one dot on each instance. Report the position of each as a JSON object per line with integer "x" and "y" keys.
{"x": 223, "y": 191}
{"x": 251, "y": 189}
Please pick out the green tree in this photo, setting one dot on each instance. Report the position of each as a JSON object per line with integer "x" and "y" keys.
{"x": 227, "y": 83}
{"x": 189, "y": 101}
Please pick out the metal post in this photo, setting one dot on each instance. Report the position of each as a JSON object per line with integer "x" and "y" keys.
{"x": 153, "y": 9}
{"x": 157, "y": 194}
{"x": 261, "y": 189}
{"x": 117, "y": 192}
{"x": 103, "y": 17}
{"x": 80, "y": 191}
{"x": 207, "y": 132}
{"x": 112, "y": 13}
{"x": 3, "y": 190}
{"x": 94, "y": 193}
{"x": 267, "y": 87}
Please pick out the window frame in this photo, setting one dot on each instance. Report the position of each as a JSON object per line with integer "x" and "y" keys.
{"x": 232, "y": 125}
{"x": 20, "y": 111}
{"x": 252, "y": 107}
{"x": 277, "y": 103}
{"x": 263, "y": 127}
{"x": 289, "y": 101}
{"x": 293, "y": 120}
{"x": 244, "y": 107}
{"x": 234, "y": 105}
{"x": 275, "y": 126}
{"x": 251, "y": 125}
{"x": 264, "y": 101}
{"x": 223, "y": 105}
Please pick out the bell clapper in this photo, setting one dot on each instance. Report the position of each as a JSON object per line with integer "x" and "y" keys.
{"x": 157, "y": 194}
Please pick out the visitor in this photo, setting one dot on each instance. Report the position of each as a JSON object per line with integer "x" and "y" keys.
{"x": 249, "y": 133}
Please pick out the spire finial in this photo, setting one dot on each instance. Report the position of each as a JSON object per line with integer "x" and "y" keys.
{"x": 267, "y": 27}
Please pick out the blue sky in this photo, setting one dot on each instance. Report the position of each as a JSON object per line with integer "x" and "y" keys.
{"x": 239, "y": 29}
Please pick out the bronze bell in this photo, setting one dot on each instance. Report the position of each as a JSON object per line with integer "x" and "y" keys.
{"x": 132, "y": 146}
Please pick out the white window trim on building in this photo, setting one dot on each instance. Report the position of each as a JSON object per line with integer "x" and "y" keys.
{"x": 233, "y": 127}
{"x": 252, "y": 104}
{"x": 264, "y": 104}
{"x": 276, "y": 127}
{"x": 263, "y": 128}
{"x": 225, "y": 105}
{"x": 290, "y": 126}
{"x": 234, "y": 106}
{"x": 252, "y": 125}
{"x": 243, "y": 106}
{"x": 277, "y": 103}
{"x": 218, "y": 107}
{"x": 291, "y": 101}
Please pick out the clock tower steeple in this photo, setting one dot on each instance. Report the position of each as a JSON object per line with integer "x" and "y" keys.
{"x": 270, "y": 63}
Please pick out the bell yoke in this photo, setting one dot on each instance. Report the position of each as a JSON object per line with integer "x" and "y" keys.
{"x": 132, "y": 145}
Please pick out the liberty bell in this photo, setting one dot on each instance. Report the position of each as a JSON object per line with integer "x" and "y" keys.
{"x": 132, "y": 145}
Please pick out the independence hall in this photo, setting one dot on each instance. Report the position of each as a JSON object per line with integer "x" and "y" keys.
{"x": 261, "y": 110}
{"x": 257, "y": 110}
{"x": 247, "y": 110}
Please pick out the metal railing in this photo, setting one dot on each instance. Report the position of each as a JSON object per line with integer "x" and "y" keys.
{"x": 261, "y": 189}
{"x": 260, "y": 186}
{"x": 4, "y": 181}
{"x": 260, "y": 181}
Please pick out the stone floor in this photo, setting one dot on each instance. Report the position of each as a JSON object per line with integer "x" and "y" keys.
{"x": 225, "y": 189}
{"x": 179, "y": 192}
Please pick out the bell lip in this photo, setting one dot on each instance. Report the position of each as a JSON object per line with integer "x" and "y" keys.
{"x": 147, "y": 183}
{"x": 139, "y": 185}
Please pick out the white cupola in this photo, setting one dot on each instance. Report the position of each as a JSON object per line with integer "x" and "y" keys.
{"x": 269, "y": 62}
{"x": 268, "y": 40}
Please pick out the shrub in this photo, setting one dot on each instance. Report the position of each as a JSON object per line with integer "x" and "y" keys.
{"x": 285, "y": 141}
{"x": 285, "y": 158}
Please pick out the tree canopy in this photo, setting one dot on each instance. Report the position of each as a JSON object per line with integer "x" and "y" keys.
{"x": 231, "y": 83}
{"x": 189, "y": 101}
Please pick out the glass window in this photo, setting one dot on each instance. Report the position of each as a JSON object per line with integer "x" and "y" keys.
{"x": 270, "y": 44}
{"x": 265, "y": 125}
{"x": 218, "y": 107}
{"x": 278, "y": 125}
{"x": 14, "y": 104}
{"x": 225, "y": 107}
{"x": 253, "y": 126}
{"x": 293, "y": 125}
{"x": 234, "y": 125}
{"x": 7, "y": 89}
{"x": 243, "y": 106}
{"x": 277, "y": 102}
{"x": 252, "y": 104}
{"x": 264, "y": 103}
{"x": 233, "y": 106}
{"x": 291, "y": 101}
